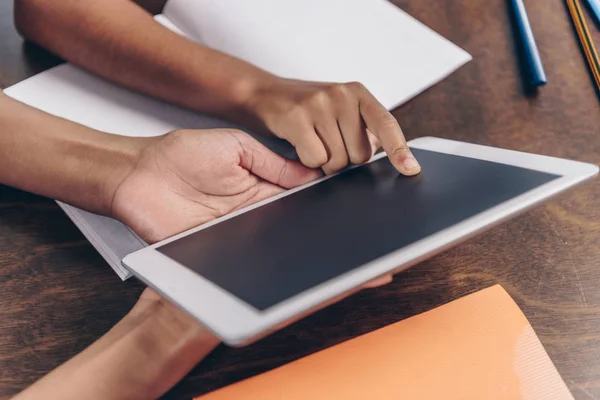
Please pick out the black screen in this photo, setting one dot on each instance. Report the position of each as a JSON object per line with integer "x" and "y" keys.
{"x": 290, "y": 245}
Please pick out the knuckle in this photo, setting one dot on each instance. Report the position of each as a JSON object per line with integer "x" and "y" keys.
{"x": 283, "y": 174}
{"x": 336, "y": 163}
{"x": 360, "y": 156}
{"x": 339, "y": 90}
{"x": 321, "y": 159}
{"x": 387, "y": 121}
{"x": 319, "y": 99}
{"x": 314, "y": 160}
{"x": 400, "y": 151}
{"x": 311, "y": 164}
{"x": 299, "y": 114}
{"x": 177, "y": 133}
{"x": 175, "y": 137}
{"x": 356, "y": 85}
{"x": 332, "y": 168}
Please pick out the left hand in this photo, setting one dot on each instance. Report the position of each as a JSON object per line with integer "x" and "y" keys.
{"x": 189, "y": 177}
{"x": 331, "y": 125}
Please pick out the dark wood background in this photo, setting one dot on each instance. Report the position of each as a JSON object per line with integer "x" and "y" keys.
{"x": 57, "y": 295}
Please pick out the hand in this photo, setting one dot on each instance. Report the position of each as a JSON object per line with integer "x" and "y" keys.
{"x": 189, "y": 177}
{"x": 143, "y": 356}
{"x": 330, "y": 124}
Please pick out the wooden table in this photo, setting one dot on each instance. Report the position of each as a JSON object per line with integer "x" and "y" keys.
{"x": 57, "y": 295}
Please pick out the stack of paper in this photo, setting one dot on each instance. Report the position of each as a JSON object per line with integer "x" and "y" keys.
{"x": 370, "y": 41}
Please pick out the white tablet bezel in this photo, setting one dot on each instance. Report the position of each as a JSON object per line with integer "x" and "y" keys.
{"x": 237, "y": 323}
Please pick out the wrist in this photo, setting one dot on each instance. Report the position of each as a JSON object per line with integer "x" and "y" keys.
{"x": 160, "y": 316}
{"x": 166, "y": 342}
{"x": 113, "y": 157}
{"x": 153, "y": 347}
{"x": 268, "y": 99}
{"x": 259, "y": 89}
{"x": 60, "y": 159}
{"x": 246, "y": 94}
{"x": 120, "y": 155}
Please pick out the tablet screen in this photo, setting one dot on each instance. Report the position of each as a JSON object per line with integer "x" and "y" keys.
{"x": 283, "y": 248}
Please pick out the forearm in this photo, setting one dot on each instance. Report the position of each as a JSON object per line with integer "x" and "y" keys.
{"x": 142, "y": 357}
{"x": 62, "y": 160}
{"x": 121, "y": 42}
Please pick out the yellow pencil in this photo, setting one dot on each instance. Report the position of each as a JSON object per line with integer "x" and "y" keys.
{"x": 585, "y": 39}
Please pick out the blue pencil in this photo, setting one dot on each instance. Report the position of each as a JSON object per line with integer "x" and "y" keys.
{"x": 537, "y": 75}
{"x": 595, "y": 7}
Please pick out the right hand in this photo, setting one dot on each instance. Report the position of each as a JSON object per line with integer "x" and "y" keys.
{"x": 331, "y": 125}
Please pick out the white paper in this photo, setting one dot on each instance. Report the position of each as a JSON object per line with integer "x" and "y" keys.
{"x": 371, "y": 41}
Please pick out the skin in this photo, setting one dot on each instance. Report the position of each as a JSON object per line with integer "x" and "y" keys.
{"x": 159, "y": 187}
{"x": 330, "y": 124}
{"x": 145, "y": 354}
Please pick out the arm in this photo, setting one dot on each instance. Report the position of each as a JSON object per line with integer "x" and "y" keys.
{"x": 142, "y": 357}
{"x": 56, "y": 158}
{"x": 330, "y": 124}
{"x": 121, "y": 42}
{"x": 158, "y": 186}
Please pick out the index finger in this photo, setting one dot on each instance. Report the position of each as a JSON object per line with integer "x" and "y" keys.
{"x": 383, "y": 125}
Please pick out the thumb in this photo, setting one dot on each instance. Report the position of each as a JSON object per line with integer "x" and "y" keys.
{"x": 265, "y": 164}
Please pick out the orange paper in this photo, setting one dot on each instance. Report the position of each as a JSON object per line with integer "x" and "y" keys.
{"x": 478, "y": 347}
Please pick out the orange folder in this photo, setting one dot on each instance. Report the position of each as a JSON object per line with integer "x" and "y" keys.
{"x": 478, "y": 347}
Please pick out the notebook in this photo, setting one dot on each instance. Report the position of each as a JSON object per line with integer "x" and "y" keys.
{"x": 478, "y": 347}
{"x": 371, "y": 41}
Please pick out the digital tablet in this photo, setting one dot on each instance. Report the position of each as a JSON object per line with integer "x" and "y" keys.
{"x": 253, "y": 271}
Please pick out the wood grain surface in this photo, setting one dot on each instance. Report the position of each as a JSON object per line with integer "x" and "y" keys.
{"x": 57, "y": 295}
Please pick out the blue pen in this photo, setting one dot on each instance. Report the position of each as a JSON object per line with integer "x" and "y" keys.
{"x": 532, "y": 56}
{"x": 595, "y": 7}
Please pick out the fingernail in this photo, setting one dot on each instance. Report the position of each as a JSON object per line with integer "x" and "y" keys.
{"x": 411, "y": 164}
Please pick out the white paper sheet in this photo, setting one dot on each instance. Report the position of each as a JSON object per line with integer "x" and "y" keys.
{"x": 371, "y": 41}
